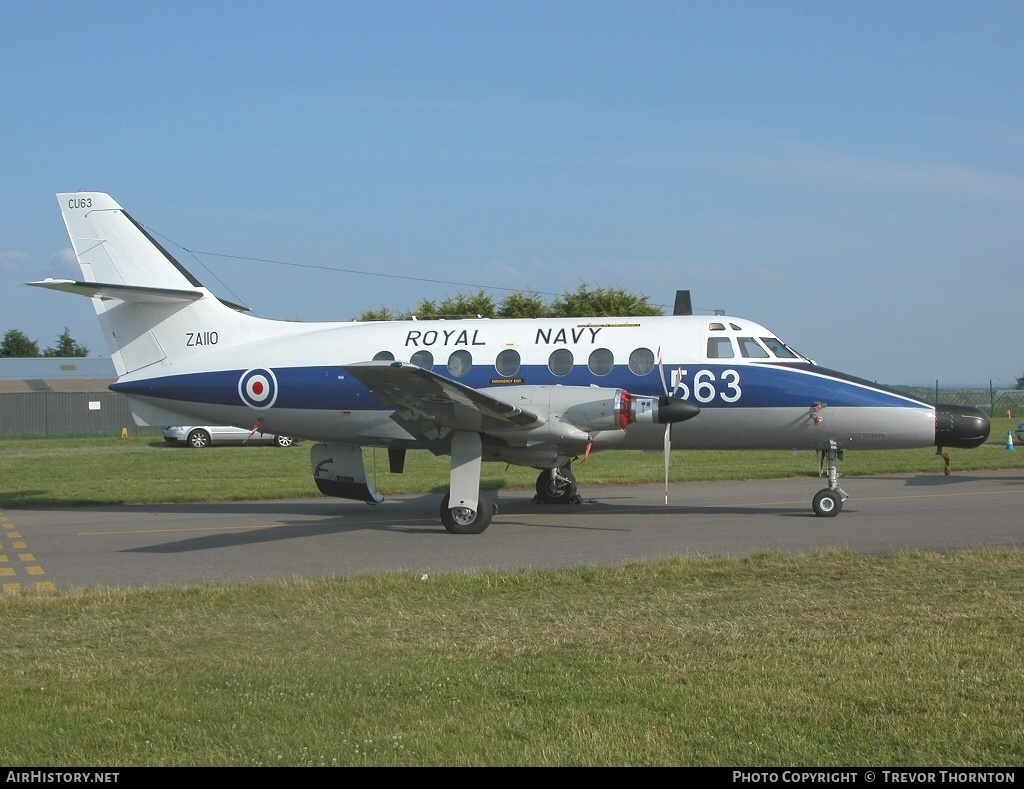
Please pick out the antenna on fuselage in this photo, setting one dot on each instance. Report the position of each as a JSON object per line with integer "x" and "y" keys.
{"x": 683, "y": 304}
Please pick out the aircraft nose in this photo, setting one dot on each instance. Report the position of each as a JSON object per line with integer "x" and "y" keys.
{"x": 962, "y": 426}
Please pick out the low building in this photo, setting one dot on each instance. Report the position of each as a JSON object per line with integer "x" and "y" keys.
{"x": 62, "y": 397}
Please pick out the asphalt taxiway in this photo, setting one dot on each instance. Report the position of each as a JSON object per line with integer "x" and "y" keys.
{"x": 180, "y": 544}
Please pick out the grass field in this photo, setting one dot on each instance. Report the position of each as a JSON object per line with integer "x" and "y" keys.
{"x": 834, "y": 659}
{"x": 830, "y": 659}
{"x": 48, "y": 472}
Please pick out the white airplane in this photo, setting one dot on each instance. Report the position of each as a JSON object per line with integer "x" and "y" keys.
{"x": 530, "y": 392}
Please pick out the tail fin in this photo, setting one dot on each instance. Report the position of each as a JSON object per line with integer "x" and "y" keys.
{"x": 113, "y": 248}
{"x": 140, "y": 292}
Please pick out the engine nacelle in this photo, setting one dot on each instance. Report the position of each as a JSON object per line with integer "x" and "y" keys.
{"x": 575, "y": 412}
{"x": 663, "y": 410}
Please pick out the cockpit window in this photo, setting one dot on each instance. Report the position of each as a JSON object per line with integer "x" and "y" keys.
{"x": 716, "y": 327}
{"x": 778, "y": 347}
{"x": 720, "y": 348}
{"x": 751, "y": 348}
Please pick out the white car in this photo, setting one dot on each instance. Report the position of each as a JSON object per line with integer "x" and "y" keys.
{"x": 205, "y": 435}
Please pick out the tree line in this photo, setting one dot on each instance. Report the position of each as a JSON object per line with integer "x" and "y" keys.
{"x": 584, "y": 302}
{"x": 17, "y": 345}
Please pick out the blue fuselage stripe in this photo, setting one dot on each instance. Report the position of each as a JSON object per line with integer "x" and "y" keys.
{"x": 709, "y": 385}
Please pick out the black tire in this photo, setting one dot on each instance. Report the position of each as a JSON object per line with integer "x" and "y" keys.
{"x": 555, "y": 488}
{"x": 199, "y": 439}
{"x": 459, "y": 520}
{"x": 283, "y": 441}
{"x": 827, "y": 503}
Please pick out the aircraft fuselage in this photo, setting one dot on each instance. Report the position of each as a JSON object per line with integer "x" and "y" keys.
{"x": 745, "y": 403}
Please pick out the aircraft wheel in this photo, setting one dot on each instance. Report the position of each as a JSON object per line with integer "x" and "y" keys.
{"x": 556, "y": 486}
{"x": 462, "y": 520}
{"x": 199, "y": 439}
{"x": 284, "y": 441}
{"x": 827, "y": 503}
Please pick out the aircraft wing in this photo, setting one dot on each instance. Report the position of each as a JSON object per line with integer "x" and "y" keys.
{"x": 427, "y": 401}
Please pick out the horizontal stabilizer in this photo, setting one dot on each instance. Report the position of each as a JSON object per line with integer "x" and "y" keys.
{"x": 135, "y": 293}
{"x": 105, "y": 290}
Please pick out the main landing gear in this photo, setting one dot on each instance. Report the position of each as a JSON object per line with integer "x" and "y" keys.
{"x": 472, "y": 509}
{"x": 463, "y": 520}
{"x": 557, "y": 486}
{"x": 339, "y": 470}
{"x": 828, "y": 502}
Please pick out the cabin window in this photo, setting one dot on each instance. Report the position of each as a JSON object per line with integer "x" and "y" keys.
{"x": 424, "y": 359}
{"x": 560, "y": 362}
{"x": 460, "y": 363}
{"x": 778, "y": 347}
{"x": 601, "y": 362}
{"x": 508, "y": 362}
{"x": 641, "y": 361}
{"x": 383, "y": 356}
{"x": 751, "y": 348}
{"x": 720, "y": 348}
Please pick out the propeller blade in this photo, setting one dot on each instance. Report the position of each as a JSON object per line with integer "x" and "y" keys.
{"x": 668, "y": 451}
{"x": 668, "y": 425}
{"x": 679, "y": 380}
{"x": 661, "y": 371}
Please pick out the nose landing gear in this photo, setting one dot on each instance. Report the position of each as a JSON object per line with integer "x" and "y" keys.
{"x": 828, "y": 502}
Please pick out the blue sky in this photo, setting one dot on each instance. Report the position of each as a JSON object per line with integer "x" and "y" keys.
{"x": 849, "y": 174}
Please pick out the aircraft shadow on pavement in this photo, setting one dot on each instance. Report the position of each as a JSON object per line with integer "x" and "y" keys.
{"x": 418, "y": 516}
{"x": 938, "y": 480}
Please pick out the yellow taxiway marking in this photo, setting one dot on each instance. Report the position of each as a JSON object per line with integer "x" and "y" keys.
{"x": 25, "y": 563}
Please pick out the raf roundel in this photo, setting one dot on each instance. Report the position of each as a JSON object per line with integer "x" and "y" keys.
{"x": 258, "y": 388}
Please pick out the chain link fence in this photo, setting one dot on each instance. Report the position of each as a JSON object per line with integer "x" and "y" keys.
{"x": 995, "y": 402}
{"x": 48, "y": 413}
